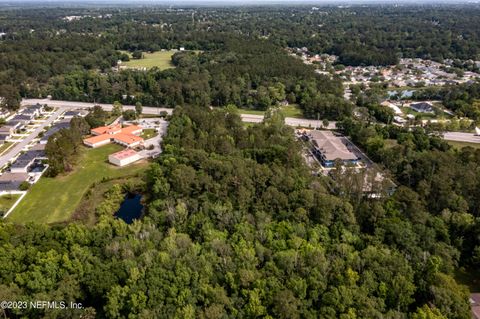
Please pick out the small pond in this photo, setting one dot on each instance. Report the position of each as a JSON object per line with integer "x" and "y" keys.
{"x": 131, "y": 208}
{"x": 405, "y": 94}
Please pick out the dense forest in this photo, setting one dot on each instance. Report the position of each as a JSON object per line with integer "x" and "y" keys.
{"x": 243, "y": 61}
{"x": 249, "y": 74}
{"x": 235, "y": 224}
{"x": 238, "y": 227}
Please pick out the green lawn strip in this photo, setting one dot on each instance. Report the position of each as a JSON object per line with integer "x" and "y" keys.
{"x": 292, "y": 110}
{"x": 250, "y": 111}
{"x": 460, "y": 145}
{"x": 149, "y": 133}
{"x": 53, "y": 200}
{"x": 7, "y": 201}
{"x": 159, "y": 59}
{"x": 5, "y": 146}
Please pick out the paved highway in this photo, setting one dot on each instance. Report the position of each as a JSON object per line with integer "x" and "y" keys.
{"x": 251, "y": 118}
{"x": 84, "y": 105}
{"x": 461, "y": 137}
{"x": 156, "y": 110}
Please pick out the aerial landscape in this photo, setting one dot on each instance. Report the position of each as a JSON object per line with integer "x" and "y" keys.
{"x": 240, "y": 159}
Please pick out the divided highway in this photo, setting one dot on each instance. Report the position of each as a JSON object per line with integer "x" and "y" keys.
{"x": 251, "y": 118}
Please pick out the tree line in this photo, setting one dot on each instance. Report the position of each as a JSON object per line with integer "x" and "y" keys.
{"x": 236, "y": 226}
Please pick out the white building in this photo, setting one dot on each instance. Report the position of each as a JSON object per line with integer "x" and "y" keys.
{"x": 124, "y": 157}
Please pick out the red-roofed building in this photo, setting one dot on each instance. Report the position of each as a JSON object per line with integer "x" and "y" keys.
{"x": 98, "y": 140}
{"x": 127, "y": 136}
{"x": 125, "y": 157}
{"x": 128, "y": 140}
{"x": 111, "y": 129}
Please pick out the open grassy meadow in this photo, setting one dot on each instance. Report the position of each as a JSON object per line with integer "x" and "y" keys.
{"x": 159, "y": 59}
{"x": 53, "y": 200}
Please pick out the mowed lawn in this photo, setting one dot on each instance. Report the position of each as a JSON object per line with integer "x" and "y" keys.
{"x": 53, "y": 200}
{"x": 159, "y": 59}
{"x": 7, "y": 201}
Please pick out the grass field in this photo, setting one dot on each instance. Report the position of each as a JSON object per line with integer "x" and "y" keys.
{"x": 292, "y": 110}
{"x": 149, "y": 133}
{"x": 53, "y": 200}
{"x": 250, "y": 111}
{"x": 159, "y": 59}
{"x": 460, "y": 145}
{"x": 7, "y": 201}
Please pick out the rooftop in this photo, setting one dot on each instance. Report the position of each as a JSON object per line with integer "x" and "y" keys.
{"x": 126, "y": 153}
{"x": 331, "y": 146}
{"x": 127, "y": 138}
{"x": 13, "y": 177}
{"x": 26, "y": 158}
{"x": 130, "y": 129}
{"x": 111, "y": 129}
{"x": 97, "y": 138}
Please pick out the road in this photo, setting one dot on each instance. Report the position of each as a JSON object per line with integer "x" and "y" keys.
{"x": 83, "y": 105}
{"x": 14, "y": 151}
{"x": 250, "y": 118}
{"x": 461, "y": 137}
{"x": 291, "y": 121}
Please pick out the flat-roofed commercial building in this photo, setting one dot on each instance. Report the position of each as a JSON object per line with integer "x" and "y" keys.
{"x": 124, "y": 157}
{"x": 329, "y": 148}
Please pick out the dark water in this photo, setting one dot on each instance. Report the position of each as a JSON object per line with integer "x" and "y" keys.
{"x": 130, "y": 209}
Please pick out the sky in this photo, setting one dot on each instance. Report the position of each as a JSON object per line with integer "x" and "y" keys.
{"x": 319, "y": 2}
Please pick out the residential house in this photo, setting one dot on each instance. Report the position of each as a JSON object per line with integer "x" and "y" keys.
{"x": 23, "y": 163}
{"x": 71, "y": 114}
{"x": 7, "y": 130}
{"x": 16, "y": 125}
{"x": 33, "y": 110}
{"x": 54, "y": 129}
{"x": 422, "y": 107}
{"x": 11, "y": 181}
